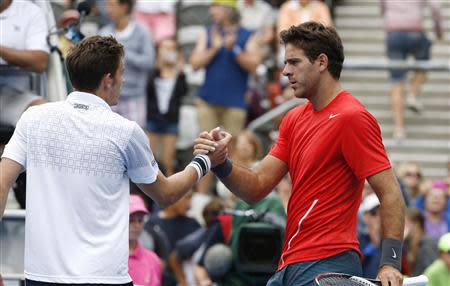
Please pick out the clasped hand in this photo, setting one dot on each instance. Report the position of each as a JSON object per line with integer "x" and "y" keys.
{"x": 214, "y": 144}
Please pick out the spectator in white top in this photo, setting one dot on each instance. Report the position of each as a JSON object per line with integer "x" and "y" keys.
{"x": 23, "y": 44}
{"x": 79, "y": 157}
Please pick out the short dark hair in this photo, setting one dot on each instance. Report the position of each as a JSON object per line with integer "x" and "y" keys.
{"x": 129, "y": 3}
{"x": 91, "y": 59}
{"x": 314, "y": 39}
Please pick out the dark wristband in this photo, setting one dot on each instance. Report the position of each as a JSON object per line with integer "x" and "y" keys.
{"x": 391, "y": 253}
{"x": 224, "y": 169}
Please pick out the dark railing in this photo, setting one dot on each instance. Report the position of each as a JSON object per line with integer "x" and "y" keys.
{"x": 354, "y": 64}
{"x": 37, "y": 81}
{"x": 369, "y": 64}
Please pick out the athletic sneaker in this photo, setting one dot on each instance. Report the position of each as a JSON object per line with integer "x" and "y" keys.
{"x": 414, "y": 103}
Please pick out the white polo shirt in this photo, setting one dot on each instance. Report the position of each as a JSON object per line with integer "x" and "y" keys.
{"x": 79, "y": 155}
{"x": 23, "y": 27}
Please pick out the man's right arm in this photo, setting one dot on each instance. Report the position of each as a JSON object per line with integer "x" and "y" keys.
{"x": 252, "y": 185}
{"x": 33, "y": 59}
{"x": 9, "y": 171}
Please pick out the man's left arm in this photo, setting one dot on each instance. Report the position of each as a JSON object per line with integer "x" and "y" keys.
{"x": 392, "y": 212}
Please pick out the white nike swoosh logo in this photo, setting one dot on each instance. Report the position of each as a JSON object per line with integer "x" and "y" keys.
{"x": 395, "y": 254}
{"x": 333, "y": 115}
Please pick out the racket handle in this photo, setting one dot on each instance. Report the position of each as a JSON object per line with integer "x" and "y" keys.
{"x": 420, "y": 280}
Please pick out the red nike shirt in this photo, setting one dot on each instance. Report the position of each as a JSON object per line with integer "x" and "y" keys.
{"x": 329, "y": 154}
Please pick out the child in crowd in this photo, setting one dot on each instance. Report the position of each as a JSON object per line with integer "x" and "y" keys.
{"x": 144, "y": 266}
{"x": 438, "y": 273}
{"x": 165, "y": 87}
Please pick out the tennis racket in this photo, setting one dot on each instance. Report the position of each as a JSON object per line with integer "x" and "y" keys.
{"x": 340, "y": 279}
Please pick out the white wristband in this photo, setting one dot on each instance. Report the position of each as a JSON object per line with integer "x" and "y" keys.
{"x": 201, "y": 164}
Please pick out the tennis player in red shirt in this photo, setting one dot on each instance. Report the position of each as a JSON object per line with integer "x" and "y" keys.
{"x": 330, "y": 146}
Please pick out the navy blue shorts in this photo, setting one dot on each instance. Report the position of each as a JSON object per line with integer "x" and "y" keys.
{"x": 303, "y": 273}
{"x": 157, "y": 126}
{"x": 400, "y": 45}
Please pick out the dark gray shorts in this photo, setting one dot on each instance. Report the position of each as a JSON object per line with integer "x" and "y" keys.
{"x": 38, "y": 283}
{"x": 303, "y": 273}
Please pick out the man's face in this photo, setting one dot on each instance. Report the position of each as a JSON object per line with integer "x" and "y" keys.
{"x": 115, "y": 10}
{"x": 302, "y": 74}
{"x": 217, "y": 13}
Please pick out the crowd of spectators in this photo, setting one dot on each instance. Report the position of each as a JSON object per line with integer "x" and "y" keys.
{"x": 240, "y": 53}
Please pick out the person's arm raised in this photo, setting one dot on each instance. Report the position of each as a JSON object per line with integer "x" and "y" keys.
{"x": 202, "y": 54}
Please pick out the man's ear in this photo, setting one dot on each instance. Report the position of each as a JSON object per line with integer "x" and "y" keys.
{"x": 107, "y": 81}
{"x": 322, "y": 59}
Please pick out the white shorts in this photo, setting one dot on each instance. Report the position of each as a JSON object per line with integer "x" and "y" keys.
{"x": 13, "y": 103}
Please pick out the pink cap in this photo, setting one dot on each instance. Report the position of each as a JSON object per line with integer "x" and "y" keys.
{"x": 440, "y": 184}
{"x": 137, "y": 204}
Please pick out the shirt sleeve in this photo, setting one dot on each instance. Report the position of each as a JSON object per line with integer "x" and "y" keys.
{"x": 140, "y": 163}
{"x": 37, "y": 32}
{"x": 281, "y": 147}
{"x": 16, "y": 149}
{"x": 362, "y": 145}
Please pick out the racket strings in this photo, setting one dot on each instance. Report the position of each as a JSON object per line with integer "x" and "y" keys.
{"x": 341, "y": 281}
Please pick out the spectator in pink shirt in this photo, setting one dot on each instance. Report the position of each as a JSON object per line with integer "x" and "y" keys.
{"x": 144, "y": 266}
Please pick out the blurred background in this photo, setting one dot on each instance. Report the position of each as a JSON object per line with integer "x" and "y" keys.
{"x": 168, "y": 91}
